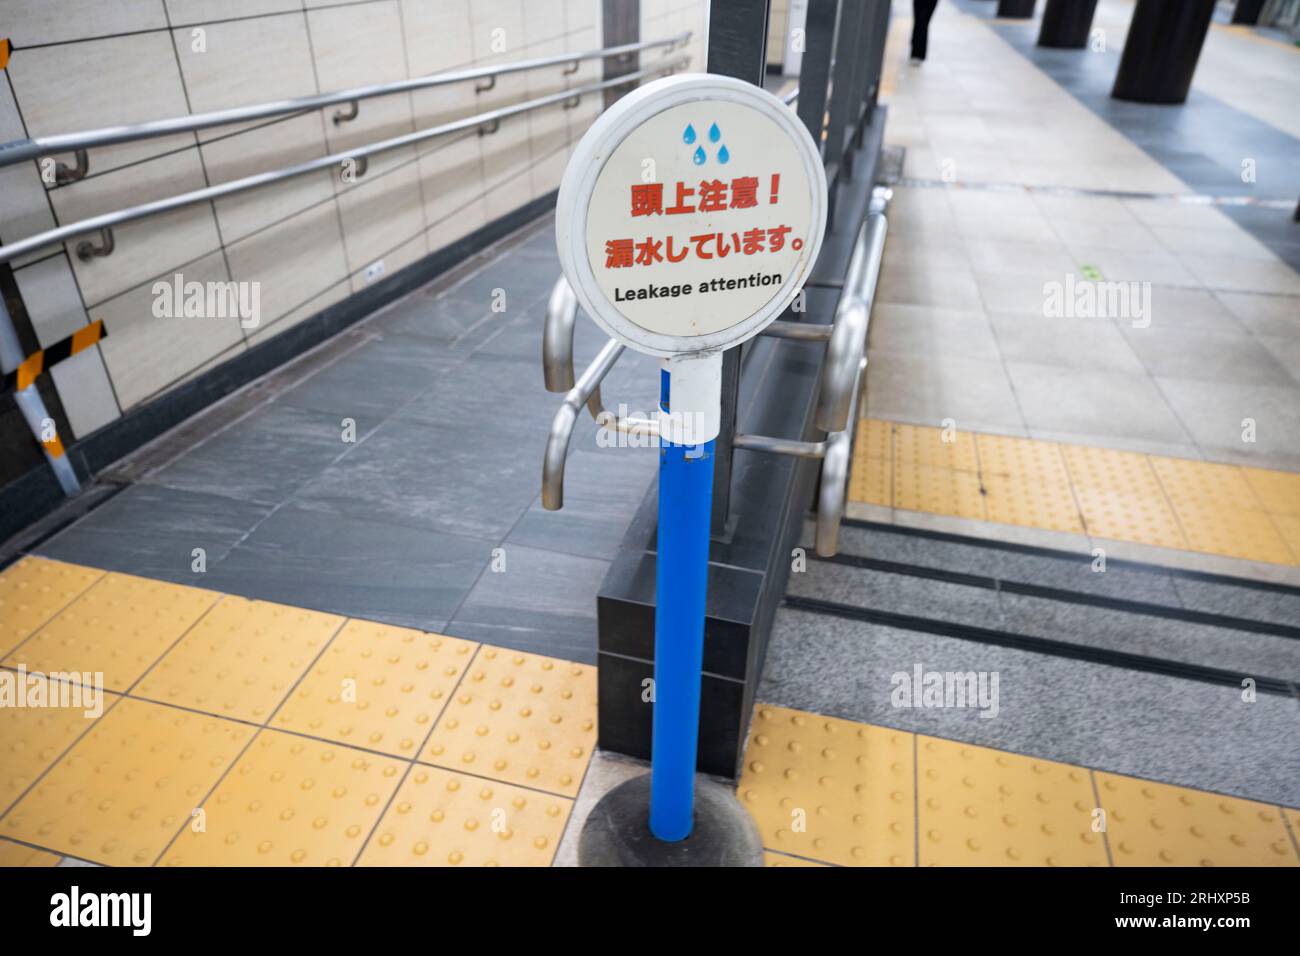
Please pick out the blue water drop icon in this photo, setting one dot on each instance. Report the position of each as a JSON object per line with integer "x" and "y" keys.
{"x": 688, "y": 136}
{"x": 699, "y": 156}
{"x": 723, "y": 155}
{"x": 715, "y": 134}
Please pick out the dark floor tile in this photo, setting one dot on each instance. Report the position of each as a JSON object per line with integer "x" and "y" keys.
{"x": 383, "y": 572}
{"x": 153, "y": 531}
{"x": 1252, "y": 603}
{"x": 265, "y": 457}
{"x": 540, "y": 602}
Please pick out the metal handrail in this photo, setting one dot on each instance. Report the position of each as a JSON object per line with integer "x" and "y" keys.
{"x": 847, "y": 342}
{"x": 130, "y": 214}
{"x": 557, "y": 443}
{"x": 557, "y": 362}
{"x": 24, "y": 149}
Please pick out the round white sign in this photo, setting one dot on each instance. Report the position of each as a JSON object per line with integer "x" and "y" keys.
{"x": 691, "y": 214}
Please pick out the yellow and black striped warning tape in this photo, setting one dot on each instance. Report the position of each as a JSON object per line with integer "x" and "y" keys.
{"x": 36, "y": 363}
{"x": 5, "y": 47}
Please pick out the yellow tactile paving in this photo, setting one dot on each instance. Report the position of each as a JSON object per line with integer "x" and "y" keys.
{"x": 1032, "y": 501}
{"x": 129, "y": 785}
{"x": 520, "y": 718}
{"x": 119, "y": 627}
{"x": 32, "y": 738}
{"x": 379, "y": 687}
{"x": 830, "y": 789}
{"x": 290, "y": 801}
{"x": 241, "y": 659}
{"x": 935, "y": 447}
{"x": 982, "y": 807}
{"x": 1277, "y": 491}
{"x": 1153, "y": 824}
{"x": 32, "y": 591}
{"x": 440, "y": 818}
{"x": 871, "y": 480}
{"x": 1228, "y": 510}
{"x": 781, "y": 859}
{"x": 16, "y": 855}
{"x": 938, "y": 490}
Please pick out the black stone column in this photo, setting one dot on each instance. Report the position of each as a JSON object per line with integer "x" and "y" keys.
{"x": 1066, "y": 24}
{"x": 1018, "y": 9}
{"x": 1160, "y": 54}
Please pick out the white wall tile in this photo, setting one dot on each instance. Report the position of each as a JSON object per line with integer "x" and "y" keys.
{"x": 234, "y": 68}
{"x": 52, "y": 298}
{"x": 185, "y": 12}
{"x": 336, "y": 293}
{"x": 294, "y": 260}
{"x": 80, "y": 86}
{"x": 145, "y": 353}
{"x": 146, "y": 247}
{"x": 437, "y": 35}
{"x": 85, "y": 391}
{"x": 274, "y": 146}
{"x": 497, "y": 27}
{"x": 29, "y": 22}
{"x": 380, "y": 213}
{"x": 394, "y": 260}
{"x": 451, "y": 177}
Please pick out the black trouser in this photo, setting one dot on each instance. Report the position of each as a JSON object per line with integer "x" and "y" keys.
{"x": 922, "y": 10}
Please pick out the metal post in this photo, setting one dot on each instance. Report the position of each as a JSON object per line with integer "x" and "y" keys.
{"x": 689, "y": 395}
{"x": 737, "y": 47}
{"x": 844, "y": 98}
{"x": 815, "y": 70}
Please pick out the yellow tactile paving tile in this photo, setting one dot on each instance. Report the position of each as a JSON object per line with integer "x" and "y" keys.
{"x": 1204, "y": 485}
{"x": 875, "y": 438}
{"x": 1035, "y": 501}
{"x": 938, "y": 490}
{"x": 520, "y": 718}
{"x": 871, "y": 480}
{"x": 936, "y": 447}
{"x": 241, "y": 659}
{"x": 16, "y": 855}
{"x": 1234, "y": 533}
{"x": 1277, "y": 491}
{"x": 128, "y": 786}
{"x": 982, "y": 807}
{"x": 781, "y": 859}
{"x": 1228, "y": 510}
{"x": 379, "y": 687}
{"x": 290, "y": 801}
{"x": 1154, "y": 824}
{"x": 830, "y": 789}
{"x": 33, "y": 737}
{"x": 119, "y": 627}
{"x": 32, "y": 591}
{"x": 440, "y": 818}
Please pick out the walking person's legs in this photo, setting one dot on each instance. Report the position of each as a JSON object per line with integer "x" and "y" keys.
{"x": 922, "y": 10}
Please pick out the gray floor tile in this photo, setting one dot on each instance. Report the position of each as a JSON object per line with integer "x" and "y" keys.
{"x": 381, "y": 572}
{"x": 1250, "y": 654}
{"x": 898, "y": 594}
{"x": 265, "y": 457}
{"x": 1252, "y": 603}
{"x": 152, "y": 531}
{"x": 472, "y": 481}
{"x": 542, "y": 603}
{"x": 600, "y": 490}
{"x": 1210, "y": 356}
{"x": 1164, "y": 728}
{"x": 1214, "y": 416}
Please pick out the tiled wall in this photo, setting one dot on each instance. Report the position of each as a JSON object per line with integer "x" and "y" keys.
{"x": 778, "y": 20}
{"x": 84, "y": 64}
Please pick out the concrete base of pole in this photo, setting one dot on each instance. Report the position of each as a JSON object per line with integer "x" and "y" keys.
{"x": 617, "y": 832}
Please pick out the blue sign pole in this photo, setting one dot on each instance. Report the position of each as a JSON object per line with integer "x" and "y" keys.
{"x": 681, "y": 587}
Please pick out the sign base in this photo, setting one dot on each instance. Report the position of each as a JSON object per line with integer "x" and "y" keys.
{"x": 617, "y": 832}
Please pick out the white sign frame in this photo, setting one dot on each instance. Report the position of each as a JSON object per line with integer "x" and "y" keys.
{"x": 589, "y": 158}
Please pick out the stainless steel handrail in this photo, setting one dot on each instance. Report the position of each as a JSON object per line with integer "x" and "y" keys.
{"x": 108, "y": 220}
{"x": 840, "y": 385}
{"x": 24, "y": 149}
{"x": 557, "y": 443}
{"x": 557, "y": 362}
